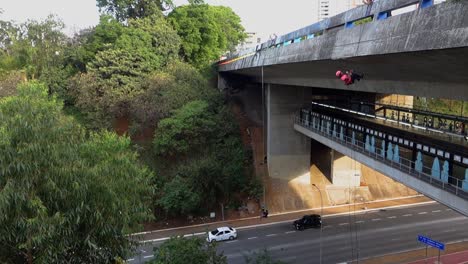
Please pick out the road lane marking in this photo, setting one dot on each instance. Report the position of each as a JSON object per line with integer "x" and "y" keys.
{"x": 448, "y": 209}
{"x": 150, "y": 256}
{"x": 408, "y": 215}
{"x": 130, "y": 259}
{"x": 421, "y": 213}
{"x": 342, "y": 224}
{"x": 436, "y": 211}
{"x": 360, "y": 221}
{"x": 328, "y": 226}
{"x": 279, "y": 222}
{"x": 391, "y": 217}
{"x": 251, "y": 238}
{"x": 449, "y": 230}
{"x": 298, "y": 211}
{"x": 195, "y": 234}
{"x": 270, "y": 235}
{"x": 376, "y": 219}
{"x": 290, "y": 232}
{"x": 231, "y": 241}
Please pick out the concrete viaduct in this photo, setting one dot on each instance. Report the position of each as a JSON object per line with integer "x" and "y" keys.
{"x": 423, "y": 52}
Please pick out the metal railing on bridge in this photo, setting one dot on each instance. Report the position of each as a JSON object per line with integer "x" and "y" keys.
{"x": 402, "y": 164}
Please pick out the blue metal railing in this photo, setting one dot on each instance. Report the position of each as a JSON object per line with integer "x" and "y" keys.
{"x": 452, "y": 185}
{"x": 319, "y": 28}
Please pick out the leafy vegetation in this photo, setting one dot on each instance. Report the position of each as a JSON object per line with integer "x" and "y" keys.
{"x": 445, "y": 106}
{"x": 70, "y": 188}
{"x": 206, "y": 32}
{"x": 207, "y": 157}
{"x": 65, "y": 195}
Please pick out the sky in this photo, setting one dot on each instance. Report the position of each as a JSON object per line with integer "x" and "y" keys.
{"x": 264, "y": 17}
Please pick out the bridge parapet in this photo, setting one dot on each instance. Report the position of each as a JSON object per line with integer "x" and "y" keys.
{"x": 450, "y": 191}
{"x": 428, "y": 27}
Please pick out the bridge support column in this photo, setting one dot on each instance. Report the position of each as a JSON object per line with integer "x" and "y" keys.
{"x": 288, "y": 152}
{"x": 346, "y": 172}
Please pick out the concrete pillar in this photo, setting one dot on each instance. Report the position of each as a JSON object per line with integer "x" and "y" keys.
{"x": 288, "y": 151}
{"x": 346, "y": 172}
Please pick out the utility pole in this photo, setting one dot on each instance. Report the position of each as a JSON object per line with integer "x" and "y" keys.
{"x": 321, "y": 217}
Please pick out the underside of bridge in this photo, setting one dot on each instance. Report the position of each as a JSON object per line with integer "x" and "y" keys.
{"x": 435, "y": 73}
{"x": 295, "y": 161}
{"x": 421, "y": 53}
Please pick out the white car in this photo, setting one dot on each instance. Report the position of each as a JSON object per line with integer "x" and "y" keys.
{"x": 221, "y": 234}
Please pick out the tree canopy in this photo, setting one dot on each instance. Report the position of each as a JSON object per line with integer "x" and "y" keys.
{"x": 180, "y": 250}
{"x": 128, "y": 9}
{"x": 115, "y": 76}
{"x": 206, "y": 31}
{"x": 65, "y": 195}
{"x": 207, "y": 158}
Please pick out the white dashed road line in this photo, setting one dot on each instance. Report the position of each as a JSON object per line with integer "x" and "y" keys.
{"x": 408, "y": 215}
{"x": 130, "y": 259}
{"x": 358, "y": 222}
{"x": 270, "y": 235}
{"x": 376, "y": 219}
{"x": 290, "y": 232}
{"x": 231, "y": 241}
{"x": 150, "y": 256}
{"x": 448, "y": 209}
{"x": 421, "y": 213}
{"x": 391, "y": 217}
{"x": 436, "y": 211}
{"x": 251, "y": 238}
{"x": 342, "y": 224}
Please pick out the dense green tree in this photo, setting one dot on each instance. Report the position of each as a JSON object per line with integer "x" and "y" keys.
{"x": 128, "y": 9}
{"x": 36, "y": 48}
{"x": 64, "y": 195}
{"x": 189, "y": 128}
{"x": 9, "y": 81}
{"x": 206, "y": 31}
{"x": 88, "y": 42}
{"x": 179, "y": 195}
{"x": 118, "y": 73}
{"x": 203, "y": 145}
{"x": 32, "y": 46}
{"x": 231, "y": 26}
{"x": 168, "y": 90}
{"x": 180, "y": 250}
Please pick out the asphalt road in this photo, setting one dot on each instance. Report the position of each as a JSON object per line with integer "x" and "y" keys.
{"x": 344, "y": 238}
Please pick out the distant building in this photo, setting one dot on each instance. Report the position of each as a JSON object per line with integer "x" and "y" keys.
{"x": 251, "y": 41}
{"x": 329, "y": 8}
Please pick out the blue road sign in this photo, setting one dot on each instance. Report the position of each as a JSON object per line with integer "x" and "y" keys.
{"x": 430, "y": 242}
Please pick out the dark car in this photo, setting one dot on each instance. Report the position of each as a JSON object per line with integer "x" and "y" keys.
{"x": 308, "y": 221}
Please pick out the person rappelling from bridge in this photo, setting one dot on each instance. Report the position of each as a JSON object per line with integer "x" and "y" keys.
{"x": 349, "y": 76}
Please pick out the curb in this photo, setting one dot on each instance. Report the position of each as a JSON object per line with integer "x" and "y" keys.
{"x": 287, "y": 221}
{"x": 278, "y": 214}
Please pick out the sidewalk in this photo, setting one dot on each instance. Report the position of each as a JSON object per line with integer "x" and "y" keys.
{"x": 274, "y": 218}
{"x": 456, "y": 253}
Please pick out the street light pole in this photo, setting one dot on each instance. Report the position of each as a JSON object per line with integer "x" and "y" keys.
{"x": 321, "y": 216}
